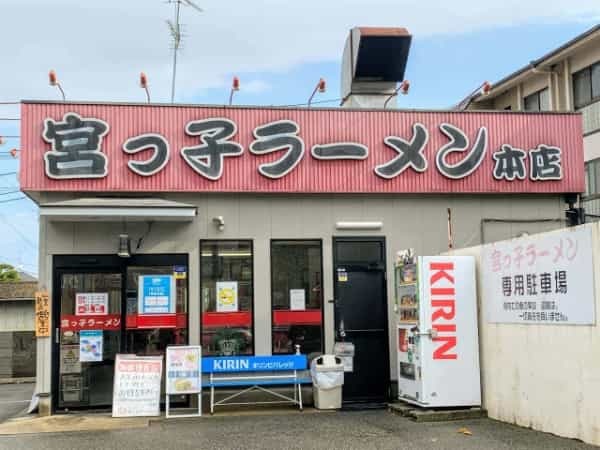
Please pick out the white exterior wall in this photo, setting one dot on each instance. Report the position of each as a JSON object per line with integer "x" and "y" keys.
{"x": 591, "y": 146}
{"x": 413, "y": 221}
{"x": 546, "y": 377}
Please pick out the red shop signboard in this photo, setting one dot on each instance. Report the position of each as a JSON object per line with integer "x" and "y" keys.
{"x": 175, "y": 148}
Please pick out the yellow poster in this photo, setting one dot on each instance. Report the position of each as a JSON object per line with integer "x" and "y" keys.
{"x": 227, "y": 296}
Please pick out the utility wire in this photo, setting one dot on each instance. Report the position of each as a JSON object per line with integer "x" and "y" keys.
{"x": 7, "y": 173}
{"x": 10, "y": 192}
{"x": 18, "y": 232}
{"x": 10, "y": 103}
{"x": 313, "y": 103}
{"x": 10, "y": 118}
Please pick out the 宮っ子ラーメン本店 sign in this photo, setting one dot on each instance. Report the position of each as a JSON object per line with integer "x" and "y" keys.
{"x": 290, "y": 150}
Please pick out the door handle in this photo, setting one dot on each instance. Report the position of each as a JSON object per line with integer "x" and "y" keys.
{"x": 341, "y": 330}
{"x": 432, "y": 333}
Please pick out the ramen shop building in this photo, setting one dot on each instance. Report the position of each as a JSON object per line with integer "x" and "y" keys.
{"x": 263, "y": 217}
{"x": 267, "y": 227}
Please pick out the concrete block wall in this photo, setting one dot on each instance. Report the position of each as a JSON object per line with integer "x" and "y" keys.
{"x": 546, "y": 377}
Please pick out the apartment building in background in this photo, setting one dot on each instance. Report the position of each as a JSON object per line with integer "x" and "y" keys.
{"x": 565, "y": 79}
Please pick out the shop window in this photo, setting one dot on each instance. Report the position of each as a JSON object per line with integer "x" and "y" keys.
{"x": 361, "y": 252}
{"x": 586, "y": 85}
{"x": 538, "y": 101}
{"x": 592, "y": 177}
{"x": 150, "y": 332}
{"x": 227, "y": 297}
{"x": 297, "y": 296}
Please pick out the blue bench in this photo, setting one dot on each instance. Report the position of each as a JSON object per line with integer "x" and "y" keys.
{"x": 255, "y": 373}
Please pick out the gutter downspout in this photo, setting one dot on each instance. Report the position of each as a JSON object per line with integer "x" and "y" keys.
{"x": 553, "y": 102}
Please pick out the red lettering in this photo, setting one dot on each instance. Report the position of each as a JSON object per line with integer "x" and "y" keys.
{"x": 449, "y": 328}
{"x": 449, "y": 342}
{"x": 442, "y": 291}
{"x": 441, "y": 312}
{"x": 443, "y": 308}
{"x": 440, "y": 273}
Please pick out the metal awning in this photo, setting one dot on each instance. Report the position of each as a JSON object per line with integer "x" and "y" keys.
{"x": 111, "y": 209}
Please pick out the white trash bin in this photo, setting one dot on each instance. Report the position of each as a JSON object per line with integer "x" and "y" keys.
{"x": 327, "y": 373}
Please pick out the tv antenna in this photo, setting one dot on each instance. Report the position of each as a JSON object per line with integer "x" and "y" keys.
{"x": 176, "y": 35}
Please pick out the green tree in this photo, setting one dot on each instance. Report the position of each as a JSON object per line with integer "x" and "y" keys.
{"x": 8, "y": 273}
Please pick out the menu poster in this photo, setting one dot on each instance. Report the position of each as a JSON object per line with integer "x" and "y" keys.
{"x": 90, "y": 345}
{"x": 91, "y": 303}
{"x": 183, "y": 370}
{"x": 227, "y": 296}
{"x": 71, "y": 388}
{"x": 69, "y": 359}
{"x": 297, "y": 299}
{"x": 136, "y": 390}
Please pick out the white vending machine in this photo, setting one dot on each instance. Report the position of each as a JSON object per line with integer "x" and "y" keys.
{"x": 437, "y": 335}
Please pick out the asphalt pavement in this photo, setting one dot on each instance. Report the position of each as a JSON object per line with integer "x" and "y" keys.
{"x": 14, "y": 399}
{"x": 341, "y": 430}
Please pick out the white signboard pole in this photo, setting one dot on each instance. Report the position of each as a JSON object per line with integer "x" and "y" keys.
{"x": 183, "y": 375}
{"x": 540, "y": 279}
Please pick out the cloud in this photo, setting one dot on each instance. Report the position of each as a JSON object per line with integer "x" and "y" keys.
{"x": 256, "y": 87}
{"x": 99, "y": 48}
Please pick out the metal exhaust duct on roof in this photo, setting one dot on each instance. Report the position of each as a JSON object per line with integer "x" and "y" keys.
{"x": 374, "y": 61}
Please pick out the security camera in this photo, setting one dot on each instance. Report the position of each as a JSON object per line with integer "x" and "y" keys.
{"x": 219, "y": 222}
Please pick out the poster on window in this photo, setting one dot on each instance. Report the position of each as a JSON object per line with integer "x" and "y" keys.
{"x": 71, "y": 388}
{"x": 156, "y": 294}
{"x": 183, "y": 369}
{"x": 136, "y": 391}
{"x": 90, "y": 345}
{"x": 69, "y": 359}
{"x": 544, "y": 279}
{"x": 227, "y": 296}
{"x": 91, "y": 303}
{"x": 297, "y": 299}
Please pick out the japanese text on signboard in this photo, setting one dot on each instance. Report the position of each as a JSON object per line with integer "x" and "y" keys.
{"x": 77, "y": 152}
{"x": 42, "y": 314}
{"x": 546, "y": 279}
{"x": 137, "y": 386}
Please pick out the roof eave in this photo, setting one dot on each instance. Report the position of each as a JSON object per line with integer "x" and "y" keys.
{"x": 547, "y": 60}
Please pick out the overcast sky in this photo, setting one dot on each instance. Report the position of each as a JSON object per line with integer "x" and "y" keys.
{"x": 278, "y": 48}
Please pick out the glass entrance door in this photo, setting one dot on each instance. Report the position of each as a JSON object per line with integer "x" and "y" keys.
{"x": 96, "y": 316}
{"x": 89, "y": 337}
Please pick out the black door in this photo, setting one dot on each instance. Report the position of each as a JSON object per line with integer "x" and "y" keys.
{"x": 361, "y": 316}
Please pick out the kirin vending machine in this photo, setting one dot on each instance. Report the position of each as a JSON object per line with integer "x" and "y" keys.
{"x": 437, "y": 335}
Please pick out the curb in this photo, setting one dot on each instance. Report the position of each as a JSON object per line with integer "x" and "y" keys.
{"x": 435, "y": 415}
